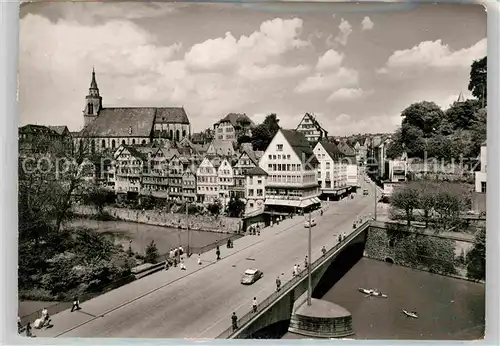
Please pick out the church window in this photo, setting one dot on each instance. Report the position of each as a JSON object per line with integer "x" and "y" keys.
{"x": 103, "y": 143}
{"x": 143, "y": 141}
{"x": 133, "y": 141}
{"x": 183, "y": 133}
{"x": 177, "y": 135}
{"x": 91, "y": 108}
{"x": 113, "y": 144}
{"x": 171, "y": 134}
{"x": 123, "y": 142}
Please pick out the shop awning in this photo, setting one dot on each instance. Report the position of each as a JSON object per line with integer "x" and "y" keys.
{"x": 307, "y": 202}
{"x": 282, "y": 202}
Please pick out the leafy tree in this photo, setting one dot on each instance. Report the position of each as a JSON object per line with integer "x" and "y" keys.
{"x": 406, "y": 199}
{"x": 478, "y": 130}
{"x": 413, "y": 141}
{"x": 264, "y": 132}
{"x": 461, "y": 114}
{"x": 476, "y": 258}
{"x": 427, "y": 199}
{"x": 99, "y": 197}
{"x": 235, "y": 207}
{"x": 425, "y": 116}
{"x": 451, "y": 200}
{"x": 214, "y": 208}
{"x": 478, "y": 79}
{"x": 244, "y": 139}
{"x": 151, "y": 253}
{"x": 397, "y": 147}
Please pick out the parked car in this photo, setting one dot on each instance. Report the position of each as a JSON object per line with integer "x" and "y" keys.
{"x": 250, "y": 276}
{"x": 365, "y": 192}
{"x": 313, "y": 223}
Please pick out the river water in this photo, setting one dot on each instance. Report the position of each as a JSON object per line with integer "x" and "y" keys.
{"x": 448, "y": 308}
{"x": 141, "y": 235}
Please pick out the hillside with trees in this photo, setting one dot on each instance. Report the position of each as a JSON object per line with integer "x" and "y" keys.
{"x": 451, "y": 134}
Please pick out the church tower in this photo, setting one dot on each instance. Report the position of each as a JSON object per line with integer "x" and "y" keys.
{"x": 93, "y": 102}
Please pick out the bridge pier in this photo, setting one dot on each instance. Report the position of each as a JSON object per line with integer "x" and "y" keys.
{"x": 321, "y": 319}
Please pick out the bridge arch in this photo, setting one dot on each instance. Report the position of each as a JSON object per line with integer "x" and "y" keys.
{"x": 389, "y": 260}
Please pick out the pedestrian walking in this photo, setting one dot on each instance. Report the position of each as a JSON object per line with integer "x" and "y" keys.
{"x": 183, "y": 266}
{"x": 45, "y": 317}
{"x": 295, "y": 270}
{"x": 19, "y": 326}
{"x": 76, "y": 304}
{"x": 306, "y": 262}
{"x": 278, "y": 284}
{"x": 254, "y": 305}
{"x": 323, "y": 250}
{"x": 199, "y": 259}
{"x": 28, "y": 330}
{"x": 217, "y": 252}
{"x": 340, "y": 237}
{"x": 166, "y": 265}
{"x": 234, "y": 321}
{"x": 344, "y": 236}
{"x": 321, "y": 212}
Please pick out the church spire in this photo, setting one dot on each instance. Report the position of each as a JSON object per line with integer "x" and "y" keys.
{"x": 461, "y": 97}
{"x": 93, "y": 90}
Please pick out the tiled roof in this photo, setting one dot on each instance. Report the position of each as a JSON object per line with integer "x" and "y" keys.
{"x": 256, "y": 171}
{"x": 30, "y": 128}
{"x": 134, "y": 152}
{"x": 171, "y": 115}
{"x": 346, "y": 149}
{"x": 332, "y": 150}
{"x": 235, "y": 118}
{"x": 122, "y": 122}
{"x": 252, "y": 156}
{"x": 300, "y": 145}
{"x": 59, "y": 129}
{"x": 223, "y": 147}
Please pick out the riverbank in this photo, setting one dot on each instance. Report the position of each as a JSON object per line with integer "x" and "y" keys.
{"x": 206, "y": 223}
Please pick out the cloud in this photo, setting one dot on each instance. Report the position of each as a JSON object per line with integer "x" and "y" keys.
{"x": 274, "y": 38}
{"x": 330, "y": 60}
{"x": 434, "y": 54}
{"x": 345, "y": 124}
{"x": 345, "y": 30}
{"x": 345, "y": 94}
{"x": 367, "y": 24}
{"x": 255, "y": 72}
{"x": 343, "y": 77}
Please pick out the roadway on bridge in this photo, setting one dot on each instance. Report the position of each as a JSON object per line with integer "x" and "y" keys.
{"x": 198, "y": 302}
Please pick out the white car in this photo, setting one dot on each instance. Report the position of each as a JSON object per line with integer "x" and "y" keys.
{"x": 313, "y": 223}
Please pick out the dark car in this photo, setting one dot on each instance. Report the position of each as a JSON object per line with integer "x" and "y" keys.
{"x": 250, "y": 276}
{"x": 365, "y": 192}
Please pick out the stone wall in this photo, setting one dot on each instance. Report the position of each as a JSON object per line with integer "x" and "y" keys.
{"x": 158, "y": 218}
{"x": 441, "y": 254}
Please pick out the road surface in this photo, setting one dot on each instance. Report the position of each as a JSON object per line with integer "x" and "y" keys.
{"x": 198, "y": 302}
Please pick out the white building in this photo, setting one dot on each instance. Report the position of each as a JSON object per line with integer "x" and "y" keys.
{"x": 398, "y": 169}
{"x": 128, "y": 167}
{"x": 351, "y": 163}
{"x": 255, "y": 191}
{"x": 232, "y": 126}
{"x": 332, "y": 169}
{"x": 220, "y": 148}
{"x": 207, "y": 185}
{"x": 480, "y": 177}
{"x": 226, "y": 180}
{"x": 311, "y": 129}
{"x": 292, "y": 183}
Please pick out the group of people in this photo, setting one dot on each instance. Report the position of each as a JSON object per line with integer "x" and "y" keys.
{"x": 341, "y": 236}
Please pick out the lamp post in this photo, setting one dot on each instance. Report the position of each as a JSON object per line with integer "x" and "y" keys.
{"x": 375, "y": 207}
{"x": 187, "y": 228}
{"x": 309, "y": 285}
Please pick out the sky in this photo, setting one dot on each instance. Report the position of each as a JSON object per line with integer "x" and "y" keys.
{"x": 356, "y": 67}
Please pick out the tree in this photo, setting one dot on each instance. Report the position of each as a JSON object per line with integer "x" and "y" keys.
{"x": 235, "y": 207}
{"x": 99, "y": 197}
{"x": 451, "y": 200}
{"x": 151, "y": 253}
{"x": 427, "y": 199}
{"x": 476, "y": 258}
{"x": 406, "y": 199}
{"x": 478, "y": 80}
{"x": 425, "y": 116}
{"x": 264, "y": 132}
{"x": 244, "y": 139}
{"x": 478, "y": 130}
{"x": 214, "y": 208}
{"x": 461, "y": 114}
{"x": 396, "y": 148}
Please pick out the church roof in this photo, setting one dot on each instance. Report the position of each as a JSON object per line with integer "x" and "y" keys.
{"x": 121, "y": 122}
{"x": 60, "y": 129}
{"x": 171, "y": 115}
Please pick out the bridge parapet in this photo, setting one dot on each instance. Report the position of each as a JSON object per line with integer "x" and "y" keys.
{"x": 288, "y": 288}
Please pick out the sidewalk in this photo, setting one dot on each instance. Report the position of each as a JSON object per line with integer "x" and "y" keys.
{"x": 110, "y": 301}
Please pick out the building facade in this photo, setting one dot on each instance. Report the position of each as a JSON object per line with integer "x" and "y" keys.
{"x": 128, "y": 167}
{"x": 332, "y": 169}
{"x": 311, "y": 129}
{"x": 189, "y": 185}
{"x": 245, "y": 162}
{"x": 292, "y": 184}
{"x": 351, "y": 164}
{"x": 207, "y": 186}
{"x": 111, "y": 127}
{"x": 480, "y": 177}
{"x": 255, "y": 191}
{"x": 233, "y": 126}
{"x": 225, "y": 180}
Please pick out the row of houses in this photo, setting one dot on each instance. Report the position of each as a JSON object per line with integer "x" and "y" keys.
{"x": 290, "y": 175}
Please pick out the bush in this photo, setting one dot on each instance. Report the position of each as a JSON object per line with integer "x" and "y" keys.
{"x": 36, "y": 294}
{"x": 151, "y": 253}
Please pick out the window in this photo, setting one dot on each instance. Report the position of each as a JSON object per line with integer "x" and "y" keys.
{"x": 143, "y": 142}
{"x": 113, "y": 144}
{"x": 259, "y": 181}
{"x": 250, "y": 192}
{"x": 279, "y": 147}
{"x": 483, "y": 187}
{"x": 328, "y": 165}
{"x": 133, "y": 141}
